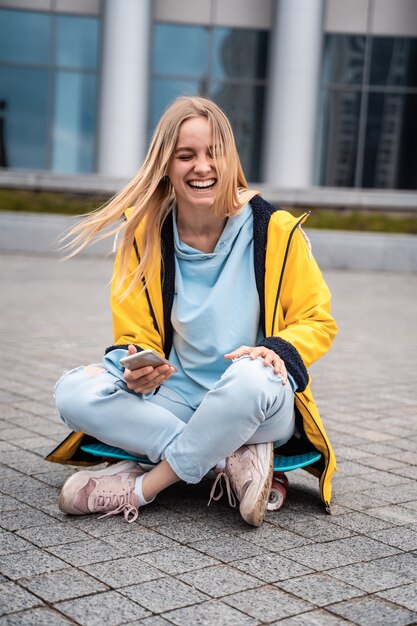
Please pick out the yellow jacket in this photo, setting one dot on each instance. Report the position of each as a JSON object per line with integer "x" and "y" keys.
{"x": 295, "y": 311}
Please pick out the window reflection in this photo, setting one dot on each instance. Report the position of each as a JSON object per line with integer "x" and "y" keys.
{"x": 24, "y": 98}
{"x": 24, "y": 36}
{"x": 343, "y": 59}
{"x": 239, "y": 53}
{"x": 227, "y": 64}
{"x": 74, "y": 122}
{"x": 47, "y": 116}
{"x": 165, "y": 91}
{"x": 339, "y": 137}
{"x": 76, "y": 41}
{"x": 394, "y": 61}
{"x": 391, "y": 141}
{"x": 244, "y": 105}
{"x": 180, "y": 50}
{"x": 373, "y": 145}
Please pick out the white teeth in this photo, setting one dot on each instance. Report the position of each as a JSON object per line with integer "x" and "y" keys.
{"x": 201, "y": 184}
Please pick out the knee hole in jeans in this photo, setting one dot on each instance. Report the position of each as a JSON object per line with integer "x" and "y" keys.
{"x": 94, "y": 370}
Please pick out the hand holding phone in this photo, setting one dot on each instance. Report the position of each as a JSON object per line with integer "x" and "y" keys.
{"x": 143, "y": 359}
{"x": 145, "y": 370}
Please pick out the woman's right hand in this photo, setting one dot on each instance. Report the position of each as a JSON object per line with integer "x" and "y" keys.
{"x": 146, "y": 379}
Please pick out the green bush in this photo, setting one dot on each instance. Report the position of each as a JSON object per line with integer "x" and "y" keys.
{"x": 338, "y": 219}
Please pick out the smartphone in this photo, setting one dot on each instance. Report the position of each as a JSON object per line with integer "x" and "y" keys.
{"x": 144, "y": 358}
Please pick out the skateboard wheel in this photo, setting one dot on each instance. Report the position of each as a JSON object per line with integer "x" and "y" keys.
{"x": 278, "y": 493}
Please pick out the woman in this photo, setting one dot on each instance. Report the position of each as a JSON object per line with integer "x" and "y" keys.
{"x": 224, "y": 285}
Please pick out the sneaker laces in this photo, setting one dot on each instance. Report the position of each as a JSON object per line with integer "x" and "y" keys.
{"x": 126, "y": 508}
{"x": 122, "y": 504}
{"x": 229, "y": 490}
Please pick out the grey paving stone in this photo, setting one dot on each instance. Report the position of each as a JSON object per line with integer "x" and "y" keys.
{"x": 24, "y": 461}
{"x": 101, "y": 528}
{"x": 7, "y": 503}
{"x": 85, "y": 552}
{"x": 154, "y": 515}
{"x": 319, "y": 589}
{"x": 357, "y": 501}
{"x": 13, "y": 598}
{"x": 271, "y": 568}
{"x": 10, "y": 543}
{"x": 323, "y": 556}
{"x": 267, "y": 603}
{"x": 24, "y": 517}
{"x": 122, "y": 572}
{"x": 29, "y": 563}
{"x": 35, "y": 617}
{"x": 163, "y": 594}
{"x": 108, "y": 608}
{"x": 321, "y": 530}
{"x": 398, "y": 515}
{"x": 178, "y": 560}
{"x": 188, "y": 532}
{"x": 361, "y": 523}
{"x": 229, "y": 549}
{"x": 406, "y": 539}
{"x": 395, "y": 495}
{"x": 319, "y": 617}
{"x": 219, "y": 580}
{"x": 269, "y": 537}
{"x": 52, "y": 534}
{"x": 62, "y": 585}
{"x": 405, "y": 564}
{"x": 405, "y": 596}
{"x": 54, "y": 478}
{"x": 373, "y": 611}
{"x": 140, "y": 541}
{"x": 210, "y": 613}
{"x": 153, "y": 620}
{"x": 372, "y": 577}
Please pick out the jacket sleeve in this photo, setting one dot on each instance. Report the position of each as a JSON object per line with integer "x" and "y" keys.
{"x": 306, "y": 327}
{"x": 133, "y": 319}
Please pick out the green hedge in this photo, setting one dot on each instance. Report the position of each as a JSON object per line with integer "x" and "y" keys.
{"x": 338, "y": 219}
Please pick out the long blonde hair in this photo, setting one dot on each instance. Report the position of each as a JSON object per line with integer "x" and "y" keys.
{"x": 150, "y": 195}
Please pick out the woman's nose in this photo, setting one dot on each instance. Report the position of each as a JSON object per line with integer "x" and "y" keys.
{"x": 203, "y": 165}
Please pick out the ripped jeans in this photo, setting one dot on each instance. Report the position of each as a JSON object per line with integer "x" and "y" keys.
{"x": 249, "y": 404}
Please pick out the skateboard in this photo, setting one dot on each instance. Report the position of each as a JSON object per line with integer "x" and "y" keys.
{"x": 280, "y": 481}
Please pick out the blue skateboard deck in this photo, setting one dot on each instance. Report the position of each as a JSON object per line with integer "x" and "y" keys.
{"x": 281, "y": 463}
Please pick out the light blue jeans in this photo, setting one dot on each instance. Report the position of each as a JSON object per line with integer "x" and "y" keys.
{"x": 249, "y": 404}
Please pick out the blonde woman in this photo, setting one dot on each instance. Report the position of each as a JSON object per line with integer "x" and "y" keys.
{"x": 224, "y": 286}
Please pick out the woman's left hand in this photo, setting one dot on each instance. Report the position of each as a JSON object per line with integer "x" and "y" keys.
{"x": 269, "y": 358}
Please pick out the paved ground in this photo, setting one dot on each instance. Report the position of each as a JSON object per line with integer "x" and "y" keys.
{"x": 182, "y": 563}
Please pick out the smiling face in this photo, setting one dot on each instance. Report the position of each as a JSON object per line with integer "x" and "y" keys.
{"x": 192, "y": 169}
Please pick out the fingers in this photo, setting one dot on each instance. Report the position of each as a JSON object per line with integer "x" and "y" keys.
{"x": 269, "y": 357}
{"x": 131, "y": 349}
{"x": 147, "y": 378}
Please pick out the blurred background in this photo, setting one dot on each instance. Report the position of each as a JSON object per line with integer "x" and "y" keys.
{"x": 322, "y": 94}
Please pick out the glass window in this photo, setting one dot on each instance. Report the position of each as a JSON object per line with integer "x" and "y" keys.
{"x": 180, "y": 50}
{"x": 339, "y": 128}
{"x": 228, "y": 65}
{"x": 244, "y": 105}
{"x": 76, "y": 41}
{"x": 23, "y": 117}
{"x": 164, "y": 91}
{"x": 391, "y": 141}
{"x": 24, "y": 36}
{"x": 394, "y": 61}
{"x": 239, "y": 53}
{"x": 343, "y": 59}
{"x": 74, "y": 122}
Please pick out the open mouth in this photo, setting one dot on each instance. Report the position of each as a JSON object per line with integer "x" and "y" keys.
{"x": 202, "y": 185}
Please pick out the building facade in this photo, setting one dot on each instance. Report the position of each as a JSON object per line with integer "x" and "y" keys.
{"x": 319, "y": 92}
